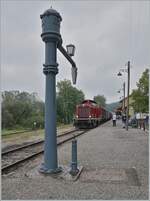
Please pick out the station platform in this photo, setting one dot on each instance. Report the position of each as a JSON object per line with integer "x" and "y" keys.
{"x": 115, "y": 166}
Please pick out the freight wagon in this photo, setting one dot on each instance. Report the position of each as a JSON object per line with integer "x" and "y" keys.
{"x": 89, "y": 114}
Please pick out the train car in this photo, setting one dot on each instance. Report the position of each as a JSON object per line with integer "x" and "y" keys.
{"x": 89, "y": 115}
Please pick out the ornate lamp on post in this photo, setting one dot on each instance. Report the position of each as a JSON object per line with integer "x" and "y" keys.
{"x": 70, "y": 49}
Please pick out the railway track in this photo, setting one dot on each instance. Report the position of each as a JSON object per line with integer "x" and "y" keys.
{"x": 20, "y": 147}
{"x": 14, "y": 157}
{"x": 18, "y": 132}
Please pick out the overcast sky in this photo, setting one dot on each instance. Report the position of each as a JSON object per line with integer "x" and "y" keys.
{"x": 106, "y": 34}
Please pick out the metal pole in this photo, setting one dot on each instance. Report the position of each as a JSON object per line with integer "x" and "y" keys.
{"x": 51, "y": 36}
{"x": 74, "y": 164}
{"x": 124, "y": 97}
{"x": 127, "y": 119}
{"x": 50, "y": 145}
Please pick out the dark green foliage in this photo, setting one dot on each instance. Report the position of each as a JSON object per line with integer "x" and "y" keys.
{"x": 21, "y": 109}
{"x": 141, "y": 94}
{"x": 100, "y": 100}
{"x": 67, "y": 99}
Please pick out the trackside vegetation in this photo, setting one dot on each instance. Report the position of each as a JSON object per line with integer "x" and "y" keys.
{"x": 20, "y": 110}
{"x": 141, "y": 94}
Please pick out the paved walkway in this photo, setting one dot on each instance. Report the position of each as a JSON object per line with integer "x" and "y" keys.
{"x": 115, "y": 167}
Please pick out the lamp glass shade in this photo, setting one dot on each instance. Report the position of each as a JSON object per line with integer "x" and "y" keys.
{"x": 70, "y": 49}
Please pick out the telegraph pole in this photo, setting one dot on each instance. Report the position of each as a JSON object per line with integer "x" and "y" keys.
{"x": 124, "y": 97}
{"x": 127, "y": 119}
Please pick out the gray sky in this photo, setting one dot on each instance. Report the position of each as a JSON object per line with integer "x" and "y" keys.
{"x": 106, "y": 34}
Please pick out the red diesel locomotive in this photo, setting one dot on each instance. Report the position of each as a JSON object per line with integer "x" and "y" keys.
{"x": 89, "y": 114}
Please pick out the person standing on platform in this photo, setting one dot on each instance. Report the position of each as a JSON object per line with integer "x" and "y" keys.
{"x": 138, "y": 117}
{"x": 124, "y": 120}
{"x": 114, "y": 119}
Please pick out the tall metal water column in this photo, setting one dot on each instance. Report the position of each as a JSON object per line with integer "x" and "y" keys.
{"x": 51, "y": 36}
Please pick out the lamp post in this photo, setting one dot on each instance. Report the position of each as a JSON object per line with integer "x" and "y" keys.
{"x": 128, "y": 91}
{"x": 127, "y": 120}
{"x": 123, "y": 95}
{"x": 51, "y": 36}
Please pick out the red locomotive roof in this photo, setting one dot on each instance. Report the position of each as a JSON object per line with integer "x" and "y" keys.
{"x": 88, "y": 101}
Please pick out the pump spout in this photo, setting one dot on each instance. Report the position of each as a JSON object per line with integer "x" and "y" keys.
{"x": 74, "y": 74}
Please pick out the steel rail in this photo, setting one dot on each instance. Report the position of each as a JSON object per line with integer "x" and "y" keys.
{"x": 8, "y": 167}
{"x": 34, "y": 143}
{"x": 18, "y": 132}
{"x": 22, "y": 147}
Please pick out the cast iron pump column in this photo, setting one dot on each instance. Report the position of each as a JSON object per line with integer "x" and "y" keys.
{"x": 51, "y": 36}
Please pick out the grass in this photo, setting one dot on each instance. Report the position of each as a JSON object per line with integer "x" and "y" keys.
{"x": 33, "y": 135}
{"x": 8, "y": 132}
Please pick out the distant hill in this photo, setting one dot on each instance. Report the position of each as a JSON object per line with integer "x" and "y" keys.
{"x": 112, "y": 106}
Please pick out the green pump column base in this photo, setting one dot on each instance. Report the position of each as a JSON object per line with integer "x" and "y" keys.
{"x": 74, "y": 175}
{"x": 45, "y": 170}
{"x": 74, "y": 172}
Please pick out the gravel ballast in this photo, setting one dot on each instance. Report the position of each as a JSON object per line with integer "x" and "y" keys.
{"x": 115, "y": 165}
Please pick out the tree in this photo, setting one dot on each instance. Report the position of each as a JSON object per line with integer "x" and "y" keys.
{"x": 21, "y": 109}
{"x": 141, "y": 94}
{"x": 67, "y": 99}
{"x": 101, "y": 100}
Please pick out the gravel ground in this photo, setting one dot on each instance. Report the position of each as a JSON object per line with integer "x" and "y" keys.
{"x": 115, "y": 167}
